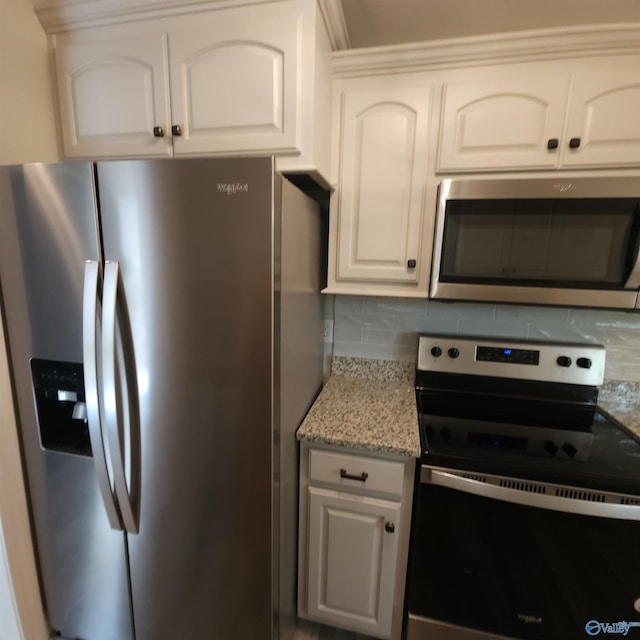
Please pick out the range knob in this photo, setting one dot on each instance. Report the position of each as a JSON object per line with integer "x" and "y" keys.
{"x": 564, "y": 361}
{"x": 550, "y": 447}
{"x": 584, "y": 363}
{"x": 453, "y": 352}
{"x": 436, "y": 352}
{"x": 569, "y": 449}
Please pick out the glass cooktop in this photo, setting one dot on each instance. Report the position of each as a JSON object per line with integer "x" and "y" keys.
{"x": 602, "y": 455}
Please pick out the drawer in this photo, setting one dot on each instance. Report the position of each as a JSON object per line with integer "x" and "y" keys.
{"x": 357, "y": 472}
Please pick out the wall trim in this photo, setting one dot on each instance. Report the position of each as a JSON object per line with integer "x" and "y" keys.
{"x": 333, "y": 15}
{"x": 517, "y": 46}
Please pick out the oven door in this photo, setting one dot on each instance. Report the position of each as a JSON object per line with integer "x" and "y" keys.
{"x": 504, "y": 559}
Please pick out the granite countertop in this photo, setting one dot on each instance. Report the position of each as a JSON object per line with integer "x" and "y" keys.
{"x": 370, "y": 405}
{"x": 366, "y": 404}
{"x": 621, "y": 399}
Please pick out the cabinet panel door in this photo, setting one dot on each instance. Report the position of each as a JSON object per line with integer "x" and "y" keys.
{"x": 112, "y": 95}
{"x": 603, "y": 114}
{"x": 235, "y": 84}
{"x": 352, "y": 560}
{"x": 502, "y": 124}
{"x": 384, "y": 164}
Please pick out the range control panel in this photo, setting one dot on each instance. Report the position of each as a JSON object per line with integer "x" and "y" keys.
{"x": 567, "y": 363}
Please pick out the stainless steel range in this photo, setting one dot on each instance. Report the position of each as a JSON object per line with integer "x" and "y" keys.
{"x": 527, "y": 514}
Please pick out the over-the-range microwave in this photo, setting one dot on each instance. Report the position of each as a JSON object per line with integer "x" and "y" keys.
{"x": 560, "y": 241}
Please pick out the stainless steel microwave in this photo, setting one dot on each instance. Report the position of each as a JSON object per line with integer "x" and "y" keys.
{"x": 559, "y": 241}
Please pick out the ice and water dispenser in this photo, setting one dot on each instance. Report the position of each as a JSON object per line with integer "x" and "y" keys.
{"x": 61, "y": 407}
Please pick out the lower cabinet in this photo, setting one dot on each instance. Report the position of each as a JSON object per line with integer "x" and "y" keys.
{"x": 355, "y": 514}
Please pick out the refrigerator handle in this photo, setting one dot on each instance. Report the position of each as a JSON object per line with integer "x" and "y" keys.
{"x": 121, "y": 396}
{"x": 90, "y": 335}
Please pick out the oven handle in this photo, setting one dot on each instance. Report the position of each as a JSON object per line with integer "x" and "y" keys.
{"x": 452, "y": 480}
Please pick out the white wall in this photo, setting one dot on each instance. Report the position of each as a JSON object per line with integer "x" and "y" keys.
{"x": 27, "y": 134}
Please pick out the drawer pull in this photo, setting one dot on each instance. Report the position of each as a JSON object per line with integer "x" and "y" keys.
{"x": 361, "y": 478}
{"x": 389, "y": 527}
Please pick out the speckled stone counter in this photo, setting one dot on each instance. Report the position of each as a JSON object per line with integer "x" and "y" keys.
{"x": 621, "y": 399}
{"x": 370, "y": 405}
{"x": 366, "y": 404}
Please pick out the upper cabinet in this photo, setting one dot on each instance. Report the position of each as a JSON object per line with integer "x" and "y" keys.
{"x": 603, "y": 127}
{"x": 378, "y": 212}
{"x": 536, "y": 120}
{"x": 114, "y": 97}
{"x": 502, "y": 123}
{"x": 239, "y": 80}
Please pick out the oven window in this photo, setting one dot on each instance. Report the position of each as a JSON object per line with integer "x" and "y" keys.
{"x": 520, "y": 571}
{"x": 579, "y": 243}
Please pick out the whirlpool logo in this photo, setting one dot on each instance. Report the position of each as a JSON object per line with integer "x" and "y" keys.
{"x": 595, "y": 628}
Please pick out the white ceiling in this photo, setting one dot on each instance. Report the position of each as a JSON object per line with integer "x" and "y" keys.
{"x": 386, "y": 22}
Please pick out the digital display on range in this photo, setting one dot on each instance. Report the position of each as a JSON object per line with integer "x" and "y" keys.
{"x": 507, "y": 354}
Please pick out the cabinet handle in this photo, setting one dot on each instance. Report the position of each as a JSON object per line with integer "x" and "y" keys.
{"x": 411, "y": 264}
{"x": 158, "y": 132}
{"x": 389, "y": 527}
{"x": 361, "y": 478}
{"x": 176, "y": 130}
{"x": 553, "y": 143}
{"x": 574, "y": 143}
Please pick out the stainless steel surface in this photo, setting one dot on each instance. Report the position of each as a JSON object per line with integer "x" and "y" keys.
{"x": 534, "y": 295}
{"x": 298, "y": 358}
{"x": 91, "y": 315}
{"x": 419, "y": 628}
{"x": 559, "y": 187}
{"x": 547, "y": 370}
{"x": 210, "y": 328}
{"x": 48, "y": 229}
{"x": 532, "y": 188}
{"x": 536, "y": 494}
{"x": 117, "y": 414}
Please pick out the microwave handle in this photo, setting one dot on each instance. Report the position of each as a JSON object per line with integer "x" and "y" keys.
{"x": 458, "y": 482}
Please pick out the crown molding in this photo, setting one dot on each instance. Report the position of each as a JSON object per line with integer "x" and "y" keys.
{"x": 333, "y": 16}
{"x": 493, "y": 49}
{"x": 57, "y": 16}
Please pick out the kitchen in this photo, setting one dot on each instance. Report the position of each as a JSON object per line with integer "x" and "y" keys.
{"x": 364, "y": 326}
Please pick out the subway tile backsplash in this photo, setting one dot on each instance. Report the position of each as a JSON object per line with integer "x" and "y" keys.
{"x": 388, "y": 328}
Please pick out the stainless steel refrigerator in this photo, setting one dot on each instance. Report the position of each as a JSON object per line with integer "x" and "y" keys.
{"x": 165, "y": 339}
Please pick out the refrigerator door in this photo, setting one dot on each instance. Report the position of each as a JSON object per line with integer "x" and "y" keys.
{"x": 194, "y": 243}
{"x": 48, "y": 229}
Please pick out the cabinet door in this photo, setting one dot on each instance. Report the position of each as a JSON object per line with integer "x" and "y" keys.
{"x": 352, "y": 560}
{"x": 502, "y": 124}
{"x": 604, "y": 116}
{"x": 235, "y": 83}
{"x": 112, "y": 95}
{"x": 383, "y": 173}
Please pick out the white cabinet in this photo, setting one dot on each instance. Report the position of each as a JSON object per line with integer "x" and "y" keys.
{"x": 354, "y": 529}
{"x": 113, "y": 94}
{"x": 527, "y": 119}
{"x": 603, "y": 119}
{"x": 240, "y": 80}
{"x": 352, "y": 559}
{"x": 502, "y": 124}
{"x": 377, "y": 240}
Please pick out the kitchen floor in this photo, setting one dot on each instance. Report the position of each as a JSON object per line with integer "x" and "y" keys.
{"x": 312, "y": 631}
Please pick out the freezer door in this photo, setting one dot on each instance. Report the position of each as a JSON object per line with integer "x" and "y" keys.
{"x": 48, "y": 229}
{"x": 193, "y": 240}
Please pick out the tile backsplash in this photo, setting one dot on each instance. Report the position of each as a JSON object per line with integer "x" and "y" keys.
{"x": 388, "y": 328}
